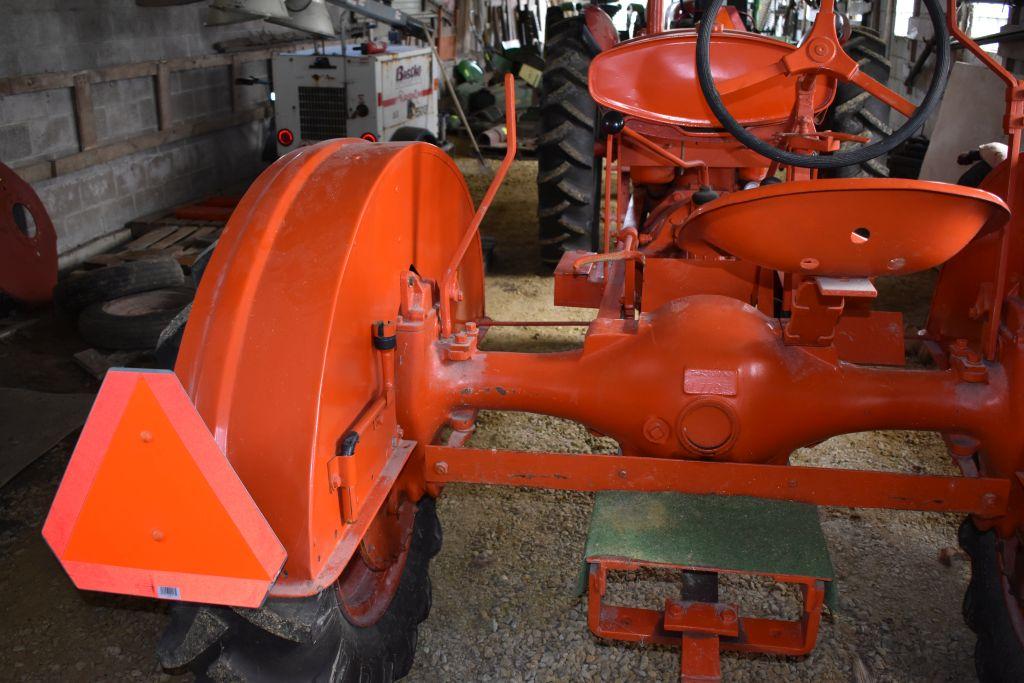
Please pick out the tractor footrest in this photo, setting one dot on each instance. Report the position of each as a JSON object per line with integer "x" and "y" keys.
{"x": 712, "y": 535}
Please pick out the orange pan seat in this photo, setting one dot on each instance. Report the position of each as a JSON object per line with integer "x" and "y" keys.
{"x": 851, "y": 227}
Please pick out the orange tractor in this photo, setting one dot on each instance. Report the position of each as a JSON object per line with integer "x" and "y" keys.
{"x": 280, "y": 483}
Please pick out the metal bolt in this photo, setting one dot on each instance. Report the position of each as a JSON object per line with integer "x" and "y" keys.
{"x": 146, "y": 437}
{"x": 728, "y": 616}
{"x": 622, "y": 474}
{"x": 989, "y": 499}
{"x": 158, "y": 535}
{"x": 675, "y": 610}
{"x": 441, "y": 467}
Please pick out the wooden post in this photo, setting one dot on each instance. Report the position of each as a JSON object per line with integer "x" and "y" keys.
{"x": 85, "y": 116}
{"x": 236, "y": 90}
{"x": 163, "y": 95}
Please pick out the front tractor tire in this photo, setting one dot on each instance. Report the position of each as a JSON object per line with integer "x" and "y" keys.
{"x": 312, "y": 639}
{"x": 568, "y": 173}
{"x": 990, "y": 611}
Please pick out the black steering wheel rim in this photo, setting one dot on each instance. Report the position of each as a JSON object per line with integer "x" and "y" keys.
{"x": 838, "y": 159}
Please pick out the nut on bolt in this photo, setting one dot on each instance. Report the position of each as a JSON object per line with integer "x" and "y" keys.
{"x": 441, "y": 467}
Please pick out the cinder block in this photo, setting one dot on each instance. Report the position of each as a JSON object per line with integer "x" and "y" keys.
{"x": 130, "y": 174}
{"x": 61, "y": 196}
{"x": 159, "y": 168}
{"x": 186, "y": 156}
{"x": 53, "y": 137}
{"x": 97, "y": 185}
{"x": 183, "y": 106}
{"x": 80, "y": 228}
{"x": 15, "y": 143}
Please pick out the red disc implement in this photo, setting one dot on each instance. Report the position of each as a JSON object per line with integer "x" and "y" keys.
{"x": 28, "y": 243}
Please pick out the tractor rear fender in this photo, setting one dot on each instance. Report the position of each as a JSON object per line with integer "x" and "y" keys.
{"x": 278, "y": 356}
{"x": 278, "y": 364}
{"x": 599, "y": 32}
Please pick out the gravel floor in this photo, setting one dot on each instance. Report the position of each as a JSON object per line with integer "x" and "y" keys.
{"x": 505, "y": 606}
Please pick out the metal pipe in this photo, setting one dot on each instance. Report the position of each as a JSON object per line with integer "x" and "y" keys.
{"x": 448, "y": 282}
{"x": 667, "y": 155}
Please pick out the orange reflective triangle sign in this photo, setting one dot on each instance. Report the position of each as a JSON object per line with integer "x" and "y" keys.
{"x": 150, "y": 505}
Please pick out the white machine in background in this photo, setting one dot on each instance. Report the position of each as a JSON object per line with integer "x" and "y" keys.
{"x": 383, "y": 96}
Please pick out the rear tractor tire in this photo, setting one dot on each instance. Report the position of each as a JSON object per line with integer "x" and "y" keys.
{"x": 855, "y": 111}
{"x": 990, "y": 611}
{"x": 568, "y": 173}
{"x": 319, "y": 638}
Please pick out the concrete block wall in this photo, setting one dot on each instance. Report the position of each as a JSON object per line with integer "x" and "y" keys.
{"x": 91, "y": 206}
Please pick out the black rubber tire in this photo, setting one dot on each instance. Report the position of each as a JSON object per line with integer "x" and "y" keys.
{"x": 133, "y": 322}
{"x": 414, "y": 134}
{"x": 76, "y": 292}
{"x": 568, "y": 174}
{"x": 906, "y": 160}
{"x": 856, "y": 112}
{"x": 998, "y": 652}
{"x": 975, "y": 175}
{"x": 310, "y": 639}
{"x": 168, "y": 344}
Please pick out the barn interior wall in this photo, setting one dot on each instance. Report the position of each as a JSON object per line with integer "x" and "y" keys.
{"x": 91, "y": 205}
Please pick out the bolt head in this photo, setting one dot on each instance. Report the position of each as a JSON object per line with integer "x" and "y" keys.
{"x": 441, "y": 467}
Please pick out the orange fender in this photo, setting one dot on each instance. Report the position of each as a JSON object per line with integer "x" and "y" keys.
{"x": 278, "y": 354}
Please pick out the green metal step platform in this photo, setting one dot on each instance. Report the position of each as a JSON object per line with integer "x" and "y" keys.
{"x": 704, "y": 536}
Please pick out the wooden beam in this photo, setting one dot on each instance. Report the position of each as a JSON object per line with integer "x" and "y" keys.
{"x": 115, "y": 150}
{"x": 16, "y": 85}
{"x": 85, "y": 115}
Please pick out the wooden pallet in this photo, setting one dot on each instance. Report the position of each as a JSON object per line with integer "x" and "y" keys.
{"x": 177, "y": 234}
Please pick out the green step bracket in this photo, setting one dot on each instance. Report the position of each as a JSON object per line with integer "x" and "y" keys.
{"x": 735, "y": 533}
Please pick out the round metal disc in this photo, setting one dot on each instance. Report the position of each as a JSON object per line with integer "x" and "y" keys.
{"x": 28, "y": 243}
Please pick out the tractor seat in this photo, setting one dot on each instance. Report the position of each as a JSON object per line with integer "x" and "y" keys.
{"x": 850, "y": 227}
{"x": 655, "y": 78}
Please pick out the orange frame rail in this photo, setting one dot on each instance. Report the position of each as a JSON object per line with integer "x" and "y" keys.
{"x": 985, "y": 497}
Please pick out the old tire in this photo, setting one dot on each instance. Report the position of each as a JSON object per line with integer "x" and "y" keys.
{"x": 414, "y": 134}
{"x": 906, "y": 160}
{"x": 76, "y": 292}
{"x": 855, "y": 111}
{"x": 998, "y": 652}
{"x": 568, "y": 173}
{"x": 310, "y": 639}
{"x": 133, "y": 322}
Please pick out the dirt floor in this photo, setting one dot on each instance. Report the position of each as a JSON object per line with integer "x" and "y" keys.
{"x": 505, "y": 605}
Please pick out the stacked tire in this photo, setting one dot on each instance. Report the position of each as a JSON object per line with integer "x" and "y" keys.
{"x": 568, "y": 173}
{"x": 127, "y": 306}
{"x": 856, "y": 111}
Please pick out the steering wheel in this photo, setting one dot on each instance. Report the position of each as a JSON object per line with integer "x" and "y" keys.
{"x": 821, "y": 53}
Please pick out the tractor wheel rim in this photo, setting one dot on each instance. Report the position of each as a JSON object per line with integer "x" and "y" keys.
{"x": 365, "y": 592}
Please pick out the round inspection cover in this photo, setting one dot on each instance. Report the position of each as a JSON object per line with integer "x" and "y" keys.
{"x": 28, "y": 244}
